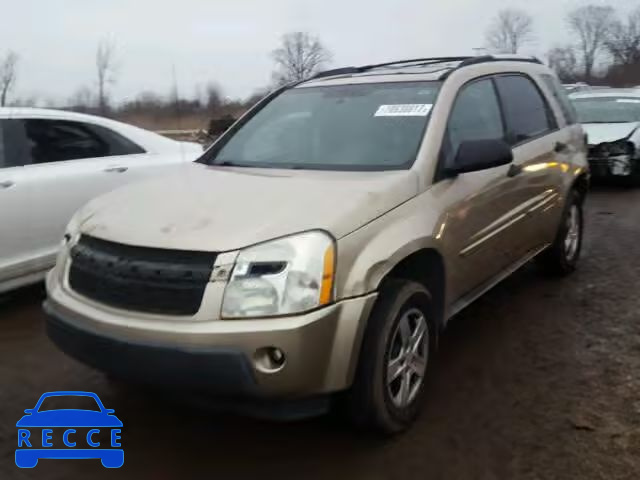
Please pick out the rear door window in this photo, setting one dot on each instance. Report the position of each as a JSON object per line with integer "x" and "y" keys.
{"x": 58, "y": 141}
{"x": 526, "y": 112}
{"x": 50, "y": 141}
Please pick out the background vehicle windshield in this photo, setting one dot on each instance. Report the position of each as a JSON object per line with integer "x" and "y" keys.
{"x": 347, "y": 127}
{"x": 608, "y": 109}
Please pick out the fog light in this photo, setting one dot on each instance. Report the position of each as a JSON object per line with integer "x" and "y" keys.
{"x": 269, "y": 359}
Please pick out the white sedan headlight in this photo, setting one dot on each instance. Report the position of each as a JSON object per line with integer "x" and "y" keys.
{"x": 281, "y": 277}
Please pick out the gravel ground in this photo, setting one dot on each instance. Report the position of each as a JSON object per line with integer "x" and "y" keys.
{"x": 537, "y": 380}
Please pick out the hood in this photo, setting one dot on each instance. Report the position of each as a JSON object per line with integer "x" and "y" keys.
{"x": 69, "y": 418}
{"x": 222, "y": 208}
{"x": 608, "y": 132}
{"x": 192, "y": 147}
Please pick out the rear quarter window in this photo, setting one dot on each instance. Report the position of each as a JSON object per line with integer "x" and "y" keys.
{"x": 2, "y": 156}
{"x": 560, "y": 95}
{"x": 118, "y": 144}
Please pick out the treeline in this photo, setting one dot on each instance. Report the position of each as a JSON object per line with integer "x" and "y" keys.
{"x": 154, "y": 111}
{"x": 298, "y": 56}
{"x": 604, "y": 47}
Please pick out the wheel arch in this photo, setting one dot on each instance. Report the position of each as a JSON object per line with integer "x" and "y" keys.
{"x": 425, "y": 266}
{"x": 581, "y": 185}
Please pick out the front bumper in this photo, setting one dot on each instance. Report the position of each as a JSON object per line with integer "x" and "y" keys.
{"x": 321, "y": 347}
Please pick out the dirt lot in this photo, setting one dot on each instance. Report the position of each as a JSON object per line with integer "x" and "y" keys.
{"x": 538, "y": 380}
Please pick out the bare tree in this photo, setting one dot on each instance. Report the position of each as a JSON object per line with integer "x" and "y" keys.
{"x": 623, "y": 40}
{"x": 106, "y": 70}
{"x": 510, "y": 30}
{"x": 591, "y": 24}
{"x": 299, "y": 57}
{"x": 563, "y": 60}
{"x": 8, "y": 70}
{"x": 212, "y": 98}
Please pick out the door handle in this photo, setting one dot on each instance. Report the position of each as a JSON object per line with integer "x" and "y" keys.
{"x": 6, "y": 184}
{"x": 116, "y": 169}
{"x": 560, "y": 147}
{"x": 514, "y": 170}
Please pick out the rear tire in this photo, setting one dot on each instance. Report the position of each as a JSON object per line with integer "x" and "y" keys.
{"x": 399, "y": 342}
{"x": 561, "y": 258}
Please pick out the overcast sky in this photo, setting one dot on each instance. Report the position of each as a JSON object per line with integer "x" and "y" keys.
{"x": 229, "y": 41}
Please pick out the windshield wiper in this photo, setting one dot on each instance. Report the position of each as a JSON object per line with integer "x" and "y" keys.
{"x": 604, "y": 121}
{"x": 228, "y": 163}
{"x": 273, "y": 166}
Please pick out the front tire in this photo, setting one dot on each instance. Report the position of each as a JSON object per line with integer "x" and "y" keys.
{"x": 633, "y": 181}
{"x": 561, "y": 258}
{"x": 399, "y": 342}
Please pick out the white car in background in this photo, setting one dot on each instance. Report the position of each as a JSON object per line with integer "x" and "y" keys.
{"x": 611, "y": 120}
{"x": 51, "y": 163}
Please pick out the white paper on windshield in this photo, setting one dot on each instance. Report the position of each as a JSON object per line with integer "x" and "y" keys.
{"x": 627, "y": 100}
{"x": 404, "y": 110}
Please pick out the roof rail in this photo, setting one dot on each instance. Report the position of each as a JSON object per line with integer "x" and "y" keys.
{"x": 337, "y": 71}
{"x": 464, "y": 62}
{"x": 498, "y": 58}
{"x": 364, "y": 68}
{"x": 491, "y": 58}
{"x": 419, "y": 61}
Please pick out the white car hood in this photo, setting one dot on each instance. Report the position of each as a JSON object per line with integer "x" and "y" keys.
{"x": 608, "y": 132}
{"x": 222, "y": 208}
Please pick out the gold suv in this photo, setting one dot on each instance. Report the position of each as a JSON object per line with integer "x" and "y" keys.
{"x": 324, "y": 241}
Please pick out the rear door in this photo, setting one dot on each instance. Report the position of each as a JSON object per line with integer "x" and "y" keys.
{"x": 67, "y": 164}
{"x": 15, "y": 219}
{"x": 537, "y": 140}
{"x": 569, "y": 146}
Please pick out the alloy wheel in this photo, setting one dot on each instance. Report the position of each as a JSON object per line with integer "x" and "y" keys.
{"x": 572, "y": 239}
{"x": 408, "y": 357}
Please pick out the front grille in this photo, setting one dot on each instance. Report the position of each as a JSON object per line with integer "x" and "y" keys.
{"x": 600, "y": 166}
{"x": 595, "y": 151}
{"x": 151, "y": 280}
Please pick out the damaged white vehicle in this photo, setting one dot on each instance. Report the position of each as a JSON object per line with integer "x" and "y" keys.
{"x": 611, "y": 120}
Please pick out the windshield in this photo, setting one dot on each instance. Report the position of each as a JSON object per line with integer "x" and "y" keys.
{"x": 67, "y": 402}
{"x": 347, "y": 127}
{"x": 608, "y": 109}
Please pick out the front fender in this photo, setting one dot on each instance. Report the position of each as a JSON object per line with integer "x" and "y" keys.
{"x": 368, "y": 254}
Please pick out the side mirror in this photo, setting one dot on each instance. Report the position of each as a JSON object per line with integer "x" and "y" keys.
{"x": 109, "y": 411}
{"x": 475, "y": 155}
{"x": 29, "y": 411}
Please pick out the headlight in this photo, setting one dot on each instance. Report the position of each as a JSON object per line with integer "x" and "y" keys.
{"x": 284, "y": 276}
{"x": 618, "y": 149}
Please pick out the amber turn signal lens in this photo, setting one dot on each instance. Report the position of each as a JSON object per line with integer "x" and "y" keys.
{"x": 326, "y": 292}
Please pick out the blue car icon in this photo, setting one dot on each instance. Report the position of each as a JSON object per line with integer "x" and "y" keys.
{"x": 36, "y": 431}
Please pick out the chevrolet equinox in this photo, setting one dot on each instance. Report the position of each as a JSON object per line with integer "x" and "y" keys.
{"x": 321, "y": 245}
